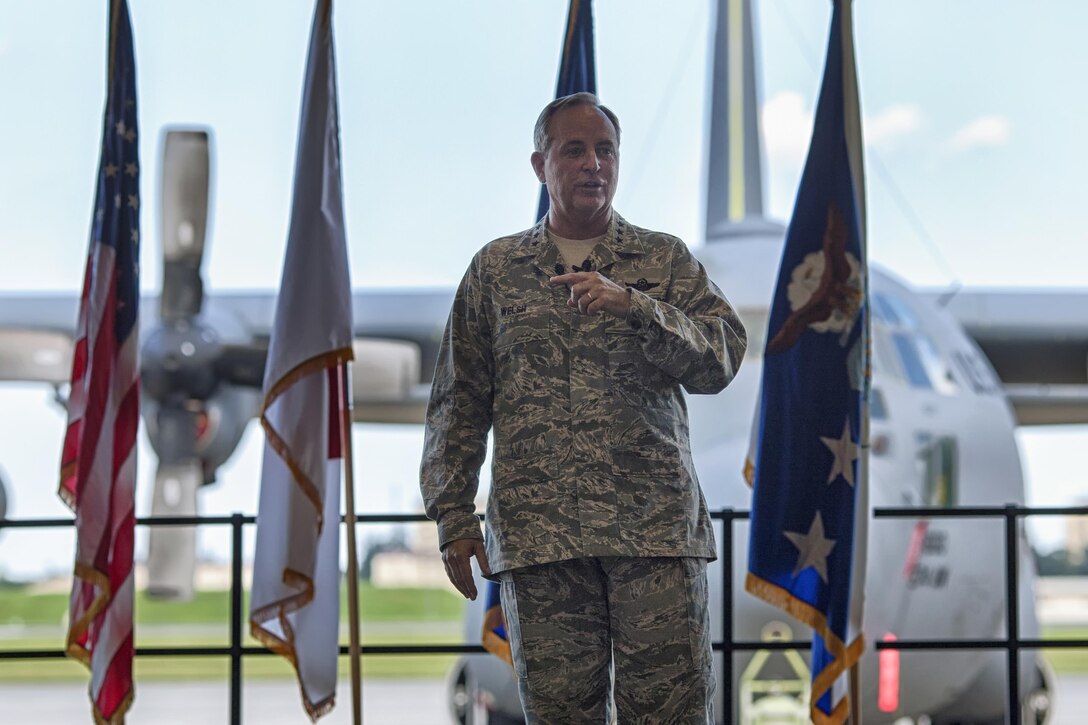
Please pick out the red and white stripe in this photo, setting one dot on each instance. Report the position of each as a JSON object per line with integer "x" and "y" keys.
{"x": 98, "y": 475}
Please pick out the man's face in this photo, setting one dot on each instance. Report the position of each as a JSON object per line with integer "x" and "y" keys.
{"x": 579, "y": 166}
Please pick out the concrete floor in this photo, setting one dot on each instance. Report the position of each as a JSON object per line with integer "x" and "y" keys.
{"x": 385, "y": 702}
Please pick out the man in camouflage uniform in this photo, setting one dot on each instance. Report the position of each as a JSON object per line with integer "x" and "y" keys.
{"x": 596, "y": 525}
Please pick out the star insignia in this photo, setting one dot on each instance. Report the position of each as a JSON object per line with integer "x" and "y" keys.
{"x": 135, "y": 235}
{"x": 130, "y": 169}
{"x": 120, "y": 125}
{"x": 111, "y": 170}
{"x": 134, "y": 201}
{"x": 845, "y": 452}
{"x": 812, "y": 548}
{"x": 117, "y": 201}
{"x": 130, "y": 135}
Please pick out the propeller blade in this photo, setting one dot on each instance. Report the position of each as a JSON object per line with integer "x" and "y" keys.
{"x": 175, "y": 433}
{"x": 171, "y": 553}
{"x": 184, "y": 193}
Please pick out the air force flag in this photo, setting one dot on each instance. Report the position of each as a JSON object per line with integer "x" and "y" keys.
{"x": 806, "y": 550}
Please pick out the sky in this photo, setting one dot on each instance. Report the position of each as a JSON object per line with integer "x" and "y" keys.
{"x": 972, "y": 113}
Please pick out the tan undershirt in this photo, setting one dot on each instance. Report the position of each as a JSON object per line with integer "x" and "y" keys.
{"x": 574, "y": 251}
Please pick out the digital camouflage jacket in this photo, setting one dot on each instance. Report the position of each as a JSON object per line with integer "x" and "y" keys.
{"x": 591, "y": 453}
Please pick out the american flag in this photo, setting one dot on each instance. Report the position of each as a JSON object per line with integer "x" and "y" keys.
{"x": 807, "y": 535}
{"x": 98, "y": 462}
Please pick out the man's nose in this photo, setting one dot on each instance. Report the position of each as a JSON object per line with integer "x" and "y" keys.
{"x": 591, "y": 161}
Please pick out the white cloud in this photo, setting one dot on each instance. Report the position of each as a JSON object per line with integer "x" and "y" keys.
{"x": 891, "y": 124}
{"x": 787, "y": 126}
{"x": 984, "y": 131}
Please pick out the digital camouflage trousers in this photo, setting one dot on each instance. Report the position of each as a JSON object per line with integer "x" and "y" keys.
{"x": 611, "y": 639}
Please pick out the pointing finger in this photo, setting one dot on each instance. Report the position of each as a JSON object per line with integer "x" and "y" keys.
{"x": 570, "y": 278}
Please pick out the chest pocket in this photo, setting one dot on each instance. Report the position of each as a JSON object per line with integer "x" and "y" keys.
{"x": 524, "y": 353}
{"x": 530, "y": 381}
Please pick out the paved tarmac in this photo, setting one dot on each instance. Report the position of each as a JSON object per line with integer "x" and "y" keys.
{"x": 385, "y": 702}
{"x": 275, "y": 702}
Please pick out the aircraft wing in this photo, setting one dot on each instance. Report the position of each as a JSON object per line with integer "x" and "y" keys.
{"x": 202, "y": 356}
{"x": 1037, "y": 342}
{"x": 36, "y": 337}
{"x": 397, "y": 334}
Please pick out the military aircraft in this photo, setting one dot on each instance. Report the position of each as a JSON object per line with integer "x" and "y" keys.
{"x": 202, "y": 357}
{"x": 954, "y": 374}
{"x": 952, "y": 380}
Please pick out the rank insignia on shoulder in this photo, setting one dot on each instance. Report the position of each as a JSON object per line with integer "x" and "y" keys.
{"x": 642, "y": 285}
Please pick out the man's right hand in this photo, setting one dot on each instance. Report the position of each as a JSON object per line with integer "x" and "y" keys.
{"x": 457, "y": 556}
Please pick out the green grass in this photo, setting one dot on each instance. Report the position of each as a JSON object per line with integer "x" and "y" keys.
{"x": 388, "y": 616}
{"x": 218, "y": 668}
{"x": 375, "y": 605}
{"x": 1067, "y": 661}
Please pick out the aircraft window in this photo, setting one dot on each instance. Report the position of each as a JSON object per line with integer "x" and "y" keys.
{"x": 938, "y": 459}
{"x": 883, "y": 311}
{"x": 978, "y": 373}
{"x": 885, "y": 358}
{"x": 894, "y": 311}
{"x": 940, "y": 372}
{"x": 912, "y": 361}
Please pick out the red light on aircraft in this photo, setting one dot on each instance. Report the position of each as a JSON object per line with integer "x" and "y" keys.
{"x": 888, "y": 691}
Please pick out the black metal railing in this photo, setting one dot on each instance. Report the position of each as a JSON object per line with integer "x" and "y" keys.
{"x": 1012, "y": 643}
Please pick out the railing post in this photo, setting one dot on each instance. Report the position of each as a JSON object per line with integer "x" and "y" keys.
{"x": 236, "y": 620}
{"x": 1012, "y": 608}
{"x": 727, "y": 614}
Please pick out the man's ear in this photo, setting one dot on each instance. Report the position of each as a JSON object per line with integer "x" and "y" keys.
{"x": 537, "y": 160}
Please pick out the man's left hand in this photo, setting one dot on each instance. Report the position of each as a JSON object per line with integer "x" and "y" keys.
{"x": 591, "y": 293}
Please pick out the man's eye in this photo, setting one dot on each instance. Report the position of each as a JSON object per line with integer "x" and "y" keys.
{"x": 607, "y": 152}
{"x": 574, "y": 152}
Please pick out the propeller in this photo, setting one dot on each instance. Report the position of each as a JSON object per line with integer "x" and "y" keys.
{"x": 186, "y": 171}
{"x": 200, "y": 390}
{"x": 177, "y": 361}
{"x": 193, "y": 417}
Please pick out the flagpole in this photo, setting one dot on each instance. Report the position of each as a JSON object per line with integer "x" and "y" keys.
{"x": 855, "y": 693}
{"x": 353, "y": 563}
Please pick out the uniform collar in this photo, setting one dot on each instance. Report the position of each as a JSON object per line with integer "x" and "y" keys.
{"x": 620, "y": 241}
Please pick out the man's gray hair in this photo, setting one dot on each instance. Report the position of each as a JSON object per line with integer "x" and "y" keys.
{"x": 541, "y": 138}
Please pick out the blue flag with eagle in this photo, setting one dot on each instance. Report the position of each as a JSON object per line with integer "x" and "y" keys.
{"x": 577, "y": 73}
{"x": 809, "y": 500}
{"x": 577, "y": 66}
